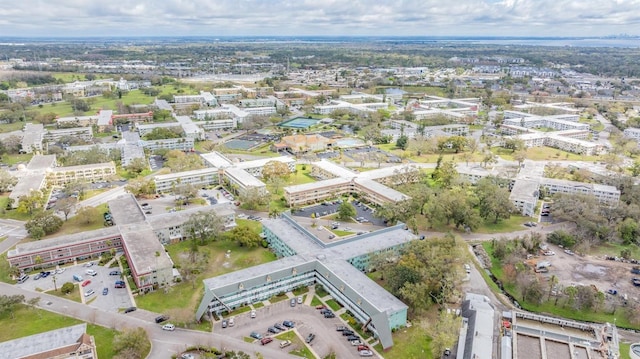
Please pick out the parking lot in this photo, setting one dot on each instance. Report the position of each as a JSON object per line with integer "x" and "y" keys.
{"x": 328, "y": 208}
{"x": 370, "y": 154}
{"x": 307, "y": 320}
{"x": 115, "y": 299}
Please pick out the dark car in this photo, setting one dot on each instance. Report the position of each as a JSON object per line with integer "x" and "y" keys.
{"x": 329, "y": 315}
{"x": 280, "y": 326}
{"x": 130, "y": 309}
{"x": 105, "y": 291}
{"x": 225, "y": 323}
{"x": 310, "y": 338}
{"x": 353, "y": 337}
{"x": 120, "y": 284}
{"x": 114, "y": 272}
{"x": 162, "y": 318}
{"x": 635, "y": 270}
{"x": 347, "y": 332}
{"x": 45, "y": 274}
{"x": 341, "y": 328}
{"x": 273, "y": 330}
{"x": 324, "y": 310}
{"x": 255, "y": 335}
{"x": 288, "y": 324}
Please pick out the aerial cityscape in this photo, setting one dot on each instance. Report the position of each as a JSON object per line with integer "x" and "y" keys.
{"x": 342, "y": 180}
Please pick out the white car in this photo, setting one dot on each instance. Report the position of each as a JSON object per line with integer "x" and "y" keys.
{"x": 169, "y": 327}
{"x": 91, "y": 272}
{"x": 60, "y": 270}
{"x": 232, "y": 321}
{"x": 253, "y": 313}
{"x": 467, "y": 268}
{"x": 89, "y": 292}
{"x": 300, "y": 300}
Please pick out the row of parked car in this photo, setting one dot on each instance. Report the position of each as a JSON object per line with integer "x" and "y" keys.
{"x": 275, "y": 329}
{"x": 362, "y": 348}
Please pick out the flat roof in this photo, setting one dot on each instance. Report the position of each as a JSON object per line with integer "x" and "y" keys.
{"x": 125, "y": 210}
{"x": 479, "y": 313}
{"x": 43, "y": 342}
{"x": 165, "y": 220}
{"x": 317, "y": 185}
{"x": 216, "y": 159}
{"x": 41, "y": 162}
{"x": 142, "y": 244}
{"x": 243, "y": 177}
{"x": 263, "y": 161}
{"x": 163, "y": 105}
{"x": 334, "y": 169}
{"x": 84, "y": 167}
{"x": 385, "y": 172}
{"x": 187, "y": 124}
{"x": 63, "y": 241}
{"x": 104, "y": 117}
{"x": 31, "y": 181}
{"x": 200, "y": 172}
{"x": 146, "y": 126}
{"x": 381, "y": 189}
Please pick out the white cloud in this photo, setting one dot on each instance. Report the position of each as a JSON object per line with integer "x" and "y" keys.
{"x": 326, "y": 17}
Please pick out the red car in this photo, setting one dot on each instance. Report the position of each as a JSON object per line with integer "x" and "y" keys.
{"x": 266, "y": 340}
{"x": 362, "y": 347}
{"x": 86, "y": 283}
{"x": 321, "y": 306}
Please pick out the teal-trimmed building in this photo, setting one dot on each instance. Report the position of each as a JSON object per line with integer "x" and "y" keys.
{"x": 305, "y": 260}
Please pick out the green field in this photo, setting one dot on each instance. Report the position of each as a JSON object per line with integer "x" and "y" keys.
{"x": 544, "y": 153}
{"x": 29, "y": 321}
{"x": 408, "y": 343}
{"x": 187, "y": 295}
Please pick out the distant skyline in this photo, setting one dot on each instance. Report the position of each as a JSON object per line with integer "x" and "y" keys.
{"x": 541, "y": 18}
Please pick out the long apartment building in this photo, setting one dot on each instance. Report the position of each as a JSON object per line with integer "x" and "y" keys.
{"x": 240, "y": 177}
{"x": 141, "y": 238}
{"x": 96, "y": 172}
{"x": 306, "y": 260}
{"x": 85, "y": 133}
{"x": 335, "y": 180}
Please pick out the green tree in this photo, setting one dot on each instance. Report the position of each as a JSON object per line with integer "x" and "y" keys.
{"x": 65, "y": 206}
{"x": 253, "y": 198}
{"x": 131, "y": 344}
{"x": 67, "y": 288}
{"x": 445, "y": 173}
{"x": 203, "y": 226}
{"x": 244, "y": 236}
{"x": 137, "y": 165}
{"x": 493, "y": 200}
{"x": 275, "y": 169}
{"x": 161, "y": 133}
{"x": 141, "y": 186}
{"x": 179, "y": 161}
{"x": 346, "y": 210}
{"x": 88, "y": 215}
{"x": 402, "y": 142}
{"x": 31, "y": 202}
{"x": 7, "y": 181}
{"x": 9, "y": 302}
{"x": 42, "y": 224}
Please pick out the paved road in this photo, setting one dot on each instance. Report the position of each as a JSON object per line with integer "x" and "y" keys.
{"x": 13, "y": 230}
{"x": 164, "y": 344}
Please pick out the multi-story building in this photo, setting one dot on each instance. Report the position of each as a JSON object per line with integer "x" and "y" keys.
{"x": 59, "y": 176}
{"x": 64, "y": 343}
{"x": 198, "y": 178}
{"x": 182, "y": 144}
{"x": 33, "y": 134}
{"x": 84, "y": 133}
{"x": 337, "y": 266}
{"x": 134, "y": 234}
{"x": 633, "y": 133}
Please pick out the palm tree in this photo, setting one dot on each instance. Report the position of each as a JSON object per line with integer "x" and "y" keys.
{"x": 552, "y": 282}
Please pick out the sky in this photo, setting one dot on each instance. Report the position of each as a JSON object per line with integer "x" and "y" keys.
{"x": 79, "y": 18}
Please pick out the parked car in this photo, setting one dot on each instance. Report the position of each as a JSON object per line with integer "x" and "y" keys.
{"x": 300, "y": 300}
{"x": 329, "y": 315}
{"x": 60, "y": 270}
{"x": 169, "y": 327}
{"x": 612, "y": 291}
{"x": 352, "y": 338}
{"x": 288, "y": 324}
{"x": 635, "y": 270}
{"x": 115, "y": 272}
{"x": 253, "y": 313}
{"x": 77, "y": 278}
{"x": 255, "y": 335}
{"x": 362, "y": 347}
{"x": 285, "y": 343}
{"x": 37, "y": 276}
{"x": 366, "y": 353}
{"x": 321, "y": 306}
{"x": 280, "y": 327}
{"x": 224, "y": 323}
{"x": 91, "y": 272}
{"x": 292, "y": 302}
{"x": 120, "y": 284}
{"x": 162, "y": 318}
{"x": 266, "y": 340}
{"x": 187, "y": 356}
{"x": 45, "y": 274}
{"x": 232, "y": 321}
{"x": 89, "y": 292}
{"x": 341, "y": 328}
{"x": 130, "y": 309}
{"x": 105, "y": 291}
{"x": 86, "y": 283}
{"x": 347, "y": 332}
{"x": 310, "y": 338}
{"x": 636, "y": 282}
{"x": 356, "y": 342}
{"x": 273, "y": 330}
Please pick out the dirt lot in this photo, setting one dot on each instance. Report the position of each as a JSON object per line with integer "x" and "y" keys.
{"x": 572, "y": 269}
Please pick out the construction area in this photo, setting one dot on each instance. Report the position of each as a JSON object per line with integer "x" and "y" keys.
{"x": 532, "y": 336}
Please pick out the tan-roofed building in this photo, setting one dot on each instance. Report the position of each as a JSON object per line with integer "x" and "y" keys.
{"x": 69, "y": 342}
{"x": 303, "y": 143}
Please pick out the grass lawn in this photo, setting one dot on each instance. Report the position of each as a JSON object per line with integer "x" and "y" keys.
{"x": 301, "y": 176}
{"x": 333, "y": 305}
{"x": 73, "y": 225}
{"x": 624, "y": 350}
{"x": 296, "y": 342}
{"x": 321, "y": 292}
{"x": 278, "y": 298}
{"x": 408, "y": 343}
{"x": 16, "y": 158}
{"x": 515, "y": 223}
{"x": 544, "y": 153}
{"x": 187, "y": 296}
{"x": 11, "y": 214}
{"x": 315, "y": 301}
{"x": 614, "y": 249}
{"x": 75, "y": 294}
{"x": 258, "y": 305}
{"x": 10, "y": 127}
{"x": 29, "y": 321}
{"x": 300, "y": 291}
{"x": 63, "y": 109}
